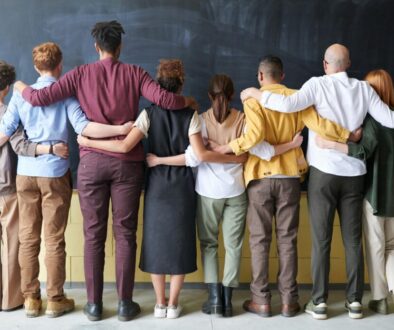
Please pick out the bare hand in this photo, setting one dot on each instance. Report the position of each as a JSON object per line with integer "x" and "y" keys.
{"x": 19, "y": 86}
{"x": 152, "y": 160}
{"x": 190, "y": 102}
{"x": 82, "y": 141}
{"x": 356, "y": 135}
{"x": 127, "y": 127}
{"x": 297, "y": 140}
{"x": 248, "y": 93}
{"x": 61, "y": 150}
{"x": 321, "y": 142}
{"x": 212, "y": 144}
{"x": 224, "y": 149}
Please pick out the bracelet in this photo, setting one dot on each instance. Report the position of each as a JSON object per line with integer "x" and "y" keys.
{"x": 51, "y": 149}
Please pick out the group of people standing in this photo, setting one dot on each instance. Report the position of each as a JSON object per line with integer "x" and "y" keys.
{"x": 248, "y": 166}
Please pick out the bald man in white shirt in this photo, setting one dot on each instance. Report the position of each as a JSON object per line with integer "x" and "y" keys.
{"x": 336, "y": 181}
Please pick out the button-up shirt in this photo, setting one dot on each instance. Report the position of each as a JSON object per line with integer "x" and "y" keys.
{"x": 45, "y": 125}
{"x": 341, "y": 99}
{"x": 109, "y": 92}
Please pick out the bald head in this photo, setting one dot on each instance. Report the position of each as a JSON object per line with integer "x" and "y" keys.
{"x": 337, "y": 56}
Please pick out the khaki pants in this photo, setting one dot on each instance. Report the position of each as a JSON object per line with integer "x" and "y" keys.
{"x": 210, "y": 212}
{"x": 379, "y": 250}
{"x": 279, "y": 198}
{"x": 43, "y": 202}
{"x": 10, "y": 278}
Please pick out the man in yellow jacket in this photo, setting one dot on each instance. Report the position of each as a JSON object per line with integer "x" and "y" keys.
{"x": 273, "y": 188}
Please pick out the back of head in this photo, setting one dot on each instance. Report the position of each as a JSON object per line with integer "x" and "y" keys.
{"x": 7, "y": 75}
{"x": 171, "y": 75}
{"x": 382, "y": 83}
{"x": 338, "y": 57}
{"x": 47, "y": 56}
{"x": 108, "y": 36}
{"x": 271, "y": 67}
{"x": 220, "y": 91}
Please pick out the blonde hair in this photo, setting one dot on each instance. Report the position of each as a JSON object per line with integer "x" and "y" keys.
{"x": 47, "y": 56}
{"x": 381, "y": 82}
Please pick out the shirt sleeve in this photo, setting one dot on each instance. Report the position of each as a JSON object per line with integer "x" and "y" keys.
{"x": 76, "y": 116}
{"x": 195, "y": 124}
{"x": 263, "y": 150}
{"x": 152, "y": 91}
{"x": 380, "y": 111}
{"x": 11, "y": 120}
{"x": 255, "y": 125}
{"x": 143, "y": 123}
{"x": 368, "y": 143}
{"x": 191, "y": 160}
{"x": 62, "y": 89}
{"x": 21, "y": 145}
{"x": 298, "y": 101}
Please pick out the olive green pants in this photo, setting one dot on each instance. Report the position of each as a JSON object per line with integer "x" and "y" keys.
{"x": 210, "y": 213}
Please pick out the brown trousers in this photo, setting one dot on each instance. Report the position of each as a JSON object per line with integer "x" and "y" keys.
{"x": 43, "y": 202}
{"x": 269, "y": 198}
{"x": 10, "y": 278}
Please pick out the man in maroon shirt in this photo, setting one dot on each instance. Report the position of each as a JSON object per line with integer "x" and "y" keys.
{"x": 109, "y": 92}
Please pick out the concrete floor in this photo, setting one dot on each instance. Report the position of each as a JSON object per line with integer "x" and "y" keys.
{"x": 193, "y": 318}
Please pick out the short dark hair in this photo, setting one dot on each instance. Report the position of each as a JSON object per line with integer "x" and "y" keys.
{"x": 7, "y": 75}
{"x": 108, "y": 35}
{"x": 271, "y": 66}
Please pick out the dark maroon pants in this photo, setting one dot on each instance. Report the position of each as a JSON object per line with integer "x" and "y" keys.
{"x": 101, "y": 178}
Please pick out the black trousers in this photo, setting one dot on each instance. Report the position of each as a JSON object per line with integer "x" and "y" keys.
{"x": 327, "y": 193}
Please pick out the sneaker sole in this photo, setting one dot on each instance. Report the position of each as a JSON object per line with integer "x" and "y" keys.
{"x": 355, "y": 316}
{"x": 317, "y": 316}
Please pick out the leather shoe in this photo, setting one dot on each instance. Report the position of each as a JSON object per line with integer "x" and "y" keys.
{"x": 127, "y": 310}
{"x": 262, "y": 310}
{"x": 94, "y": 312}
{"x": 290, "y": 310}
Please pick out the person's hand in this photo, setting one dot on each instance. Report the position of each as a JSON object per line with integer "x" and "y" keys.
{"x": 152, "y": 160}
{"x": 61, "y": 150}
{"x": 127, "y": 127}
{"x": 322, "y": 142}
{"x": 190, "y": 102}
{"x": 222, "y": 149}
{"x": 250, "y": 92}
{"x": 242, "y": 158}
{"x": 19, "y": 86}
{"x": 212, "y": 144}
{"x": 356, "y": 135}
{"x": 297, "y": 140}
{"x": 82, "y": 141}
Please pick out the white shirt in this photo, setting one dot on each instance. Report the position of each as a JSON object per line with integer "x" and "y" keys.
{"x": 341, "y": 99}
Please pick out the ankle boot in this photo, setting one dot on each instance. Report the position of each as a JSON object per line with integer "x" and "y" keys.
{"x": 227, "y": 305}
{"x": 214, "y": 304}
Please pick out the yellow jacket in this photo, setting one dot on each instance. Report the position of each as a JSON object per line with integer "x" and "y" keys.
{"x": 277, "y": 128}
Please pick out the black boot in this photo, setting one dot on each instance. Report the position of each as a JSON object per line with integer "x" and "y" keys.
{"x": 227, "y": 305}
{"x": 214, "y": 304}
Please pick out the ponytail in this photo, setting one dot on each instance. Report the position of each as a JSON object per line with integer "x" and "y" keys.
{"x": 221, "y": 90}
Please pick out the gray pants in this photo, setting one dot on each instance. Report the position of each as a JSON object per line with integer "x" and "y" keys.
{"x": 327, "y": 193}
{"x": 210, "y": 212}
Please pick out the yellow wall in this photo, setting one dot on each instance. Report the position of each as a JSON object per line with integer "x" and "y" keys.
{"x": 74, "y": 241}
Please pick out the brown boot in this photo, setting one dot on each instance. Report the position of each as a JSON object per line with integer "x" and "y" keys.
{"x": 290, "y": 310}
{"x": 262, "y": 310}
{"x": 57, "y": 308}
{"x": 32, "y": 306}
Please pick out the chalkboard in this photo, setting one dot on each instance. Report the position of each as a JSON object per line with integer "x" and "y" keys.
{"x": 210, "y": 36}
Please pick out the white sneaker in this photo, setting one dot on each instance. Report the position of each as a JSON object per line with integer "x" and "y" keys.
{"x": 173, "y": 312}
{"x": 355, "y": 309}
{"x": 160, "y": 311}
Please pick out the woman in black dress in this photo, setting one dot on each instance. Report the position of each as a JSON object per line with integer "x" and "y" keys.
{"x": 169, "y": 238}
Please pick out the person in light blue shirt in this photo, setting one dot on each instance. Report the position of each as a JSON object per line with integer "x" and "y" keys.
{"x": 43, "y": 183}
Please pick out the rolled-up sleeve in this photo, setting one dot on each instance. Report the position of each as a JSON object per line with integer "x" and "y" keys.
{"x": 143, "y": 123}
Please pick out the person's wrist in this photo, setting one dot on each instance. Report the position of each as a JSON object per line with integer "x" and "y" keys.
{"x": 51, "y": 149}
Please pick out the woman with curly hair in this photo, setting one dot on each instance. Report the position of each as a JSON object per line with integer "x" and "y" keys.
{"x": 168, "y": 245}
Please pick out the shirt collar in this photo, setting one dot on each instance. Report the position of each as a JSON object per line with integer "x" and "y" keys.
{"x": 272, "y": 87}
{"x": 46, "y": 79}
{"x": 339, "y": 75}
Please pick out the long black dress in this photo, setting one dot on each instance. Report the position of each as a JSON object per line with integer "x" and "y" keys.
{"x": 169, "y": 230}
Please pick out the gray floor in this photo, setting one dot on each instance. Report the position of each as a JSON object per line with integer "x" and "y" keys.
{"x": 192, "y": 318}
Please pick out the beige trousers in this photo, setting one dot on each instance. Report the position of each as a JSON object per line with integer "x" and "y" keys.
{"x": 10, "y": 278}
{"x": 379, "y": 247}
{"x": 43, "y": 202}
